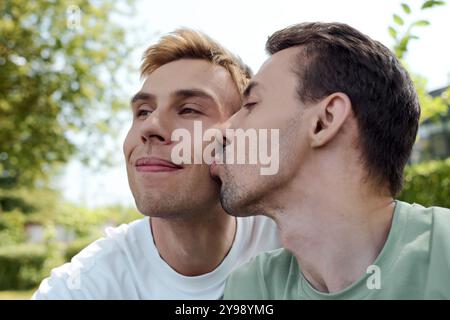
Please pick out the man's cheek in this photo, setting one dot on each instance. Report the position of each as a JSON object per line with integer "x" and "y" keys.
{"x": 129, "y": 144}
{"x": 126, "y": 142}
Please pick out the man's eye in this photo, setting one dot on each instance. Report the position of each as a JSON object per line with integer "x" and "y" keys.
{"x": 143, "y": 113}
{"x": 189, "y": 111}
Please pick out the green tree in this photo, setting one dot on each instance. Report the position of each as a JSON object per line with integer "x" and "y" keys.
{"x": 426, "y": 183}
{"x": 405, "y": 23}
{"x": 58, "y": 66}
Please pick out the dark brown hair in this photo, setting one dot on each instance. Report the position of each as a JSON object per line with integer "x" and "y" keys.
{"x": 335, "y": 57}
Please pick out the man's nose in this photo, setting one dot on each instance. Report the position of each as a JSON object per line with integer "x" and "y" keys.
{"x": 156, "y": 128}
{"x": 226, "y": 130}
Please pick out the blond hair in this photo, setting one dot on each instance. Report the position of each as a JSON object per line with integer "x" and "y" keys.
{"x": 186, "y": 43}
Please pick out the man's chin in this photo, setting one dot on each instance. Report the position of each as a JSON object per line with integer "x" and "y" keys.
{"x": 232, "y": 204}
{"x": 155, "y": 206}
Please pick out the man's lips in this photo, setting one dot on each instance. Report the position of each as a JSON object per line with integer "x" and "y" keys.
{"x": 214, "y": 172}
{"x": 151, "y": 164}
{"x": 213, "y": 169}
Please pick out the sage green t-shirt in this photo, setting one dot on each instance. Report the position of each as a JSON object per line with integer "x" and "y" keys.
{"x": 413, "y": 264}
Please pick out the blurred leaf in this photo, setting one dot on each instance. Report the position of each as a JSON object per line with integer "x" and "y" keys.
{"x": 406, "y": 8}
{"x": 398, "y": 20}
{"x": 431, "y": 3}
{"x": 422, "y": 23}
{"x": 393, "y": 32}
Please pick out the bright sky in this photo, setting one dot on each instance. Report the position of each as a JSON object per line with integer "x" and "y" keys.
{"x": 243, "y": 27}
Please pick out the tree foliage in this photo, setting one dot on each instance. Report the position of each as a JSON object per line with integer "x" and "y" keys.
{"x": 58, "y": 66}
{"x": 404, "y": 25}
{"x": 428, "y": 183}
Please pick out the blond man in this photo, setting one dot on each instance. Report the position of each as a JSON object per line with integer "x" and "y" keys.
{"x": 186, "y": 245}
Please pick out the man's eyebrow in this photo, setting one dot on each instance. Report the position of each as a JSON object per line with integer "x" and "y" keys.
{"x": 142, "y": 96}
{"x": 249, "y": 88}
{"x": 188, "y": 93}
{"x": 178, "y": 94}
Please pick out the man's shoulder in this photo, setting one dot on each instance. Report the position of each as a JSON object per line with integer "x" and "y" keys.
{"x": 256, "y": 278}
{"x": 91, "y": 273}
{"x": 434, "y": 219}
{"x": 116, "y": 244}
{"x": 426, "y": 247}
{"x": 418, "y": 208}
{"x": 439, "y": 230}
{"x": 441, "y": 214}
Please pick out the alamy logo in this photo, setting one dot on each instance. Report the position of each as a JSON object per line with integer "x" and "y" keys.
{"x": 374, "y": 280}
{"x": 249, "y": 146}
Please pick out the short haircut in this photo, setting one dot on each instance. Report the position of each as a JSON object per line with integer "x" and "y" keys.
{"x": 335, "y": 57}
{"x": 186, "y": 43}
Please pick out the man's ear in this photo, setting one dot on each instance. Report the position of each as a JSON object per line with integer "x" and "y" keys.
{"x": 330, "y": 116}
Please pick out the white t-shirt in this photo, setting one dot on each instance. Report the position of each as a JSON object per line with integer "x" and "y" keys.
{"x": 126, "y": 265}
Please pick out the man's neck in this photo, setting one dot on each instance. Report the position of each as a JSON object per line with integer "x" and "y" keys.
{"x": 195, "y": 245}
{"x": 335, "y": 233}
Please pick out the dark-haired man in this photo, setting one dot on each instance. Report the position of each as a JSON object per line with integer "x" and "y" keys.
{"x": 347, "y": 115}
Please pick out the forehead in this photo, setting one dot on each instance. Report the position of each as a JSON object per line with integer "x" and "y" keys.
{"x": 191, "y": 73}
{"x": 278, "y": 70}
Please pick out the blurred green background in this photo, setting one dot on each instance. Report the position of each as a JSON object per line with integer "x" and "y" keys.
{"x": 57, "y": 83}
